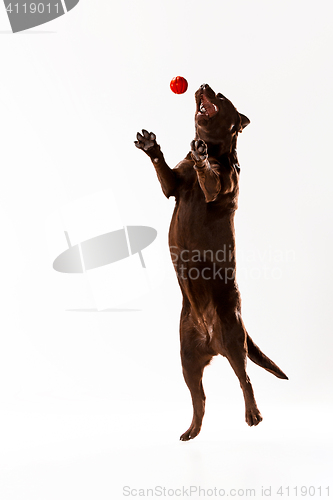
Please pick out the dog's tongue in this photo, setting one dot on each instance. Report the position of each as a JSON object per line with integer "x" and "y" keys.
{"x": 209, "y": 107}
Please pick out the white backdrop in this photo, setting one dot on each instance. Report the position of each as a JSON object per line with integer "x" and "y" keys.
{"x": 92, "y": 401}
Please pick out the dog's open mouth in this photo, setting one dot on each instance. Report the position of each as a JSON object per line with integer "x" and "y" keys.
{"x": 206, "y": 107}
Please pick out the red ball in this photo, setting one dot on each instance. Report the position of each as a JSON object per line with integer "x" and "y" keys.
{"x": 178, "y": 85}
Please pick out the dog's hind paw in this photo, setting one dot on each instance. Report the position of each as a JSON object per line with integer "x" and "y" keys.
{"x": 253, "y": 417}
{"x": 199, "y": 150}
{"x": 146, "y": 140}
{"x": 191, "y": 433}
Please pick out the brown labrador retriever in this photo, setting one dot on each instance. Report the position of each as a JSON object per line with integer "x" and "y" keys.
{"x": 202, "y": 245}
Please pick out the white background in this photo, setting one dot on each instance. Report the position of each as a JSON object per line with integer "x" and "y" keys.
{"x": 93, "y": 401}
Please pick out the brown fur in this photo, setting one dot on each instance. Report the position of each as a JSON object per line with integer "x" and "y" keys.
{"x": 202, "y": 245}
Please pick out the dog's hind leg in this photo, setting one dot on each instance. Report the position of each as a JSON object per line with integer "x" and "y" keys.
{"x": 194, "y": 356}
{"x": 193, "y": 366}
{"x": 236, "y": 352}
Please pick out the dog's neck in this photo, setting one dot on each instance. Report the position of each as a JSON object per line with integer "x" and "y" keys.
{"x": 218, "y": 151}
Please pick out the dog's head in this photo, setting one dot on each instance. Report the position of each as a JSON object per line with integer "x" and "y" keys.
{"x": 217, "y": 121}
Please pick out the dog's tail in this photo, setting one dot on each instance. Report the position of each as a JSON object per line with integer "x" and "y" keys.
{"x": 258, "y": 357}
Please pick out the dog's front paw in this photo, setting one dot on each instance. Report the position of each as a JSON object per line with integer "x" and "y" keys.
{"x": 199, "y": 150}
{"x": 146, "y": 140}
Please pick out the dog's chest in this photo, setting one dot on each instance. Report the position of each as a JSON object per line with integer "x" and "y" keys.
{"x": 190, "y": 199}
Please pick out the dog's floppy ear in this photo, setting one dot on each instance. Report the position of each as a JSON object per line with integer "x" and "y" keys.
{"x": 244, "y": 121}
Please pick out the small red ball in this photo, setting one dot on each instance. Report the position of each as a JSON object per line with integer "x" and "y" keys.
{"x": 178, "y": 85}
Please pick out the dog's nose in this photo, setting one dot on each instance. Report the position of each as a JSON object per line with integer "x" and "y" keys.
{"x": 204, "y": 86}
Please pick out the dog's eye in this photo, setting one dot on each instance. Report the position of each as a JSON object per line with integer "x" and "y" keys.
{"x": 221, "y": 96}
